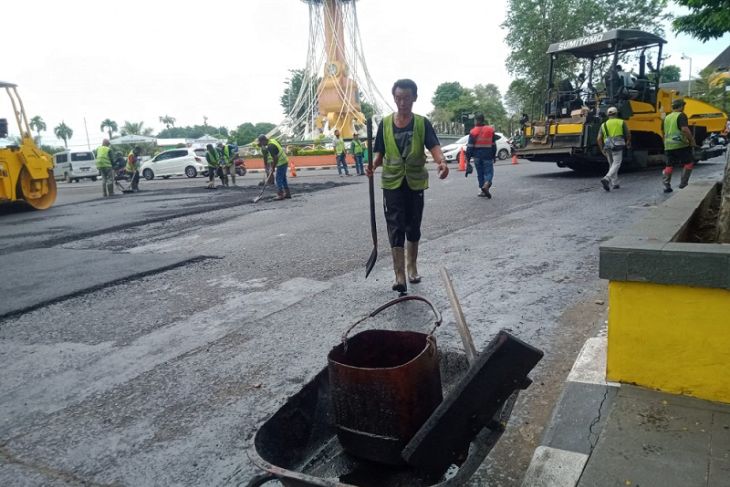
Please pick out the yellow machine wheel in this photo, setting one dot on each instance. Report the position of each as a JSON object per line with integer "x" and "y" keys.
{"x": 38, "y": 193}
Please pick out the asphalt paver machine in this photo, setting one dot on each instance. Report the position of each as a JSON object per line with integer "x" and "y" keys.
{"x": 26, "y": 172}
{"x": 573, "y": 111}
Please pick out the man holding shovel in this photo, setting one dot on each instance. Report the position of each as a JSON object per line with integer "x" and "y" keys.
{"x": 399, "y": 148}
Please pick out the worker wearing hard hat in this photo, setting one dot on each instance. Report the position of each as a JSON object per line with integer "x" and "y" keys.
{"x": 678, "y": 144}
{"x": 613, "y": 137}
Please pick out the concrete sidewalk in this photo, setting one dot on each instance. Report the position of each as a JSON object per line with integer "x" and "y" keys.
{"x": 606, "y": 434}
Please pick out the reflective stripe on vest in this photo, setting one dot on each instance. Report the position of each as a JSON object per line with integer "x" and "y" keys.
{"x": 483, "y": 136}
{"x": 103, "y": 159}
{"x": 413, "y": 165}
{"x": 283, "y": 159}
{"x": 339, "y": 145}
{"x": 673, "y": 136}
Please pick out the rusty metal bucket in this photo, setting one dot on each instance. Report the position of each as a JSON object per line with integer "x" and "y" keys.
{"x": 385, "y": 384}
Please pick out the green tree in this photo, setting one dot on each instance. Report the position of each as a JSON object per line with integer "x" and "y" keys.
{"x": 449, "y": 93}
{"x": 708, "y": 19}
{"x": 37, "y": 124}
{"x": 670, "y": 73}
{"x": 110, "y": 126}
{"x": 135, "y": 128}
{"x": 63, "y": 132}
{"x": 246, "y": 133}
{"x": 167, "y": 121}
{"x": 489, "y": 103}
{"x": 532, "y": 26}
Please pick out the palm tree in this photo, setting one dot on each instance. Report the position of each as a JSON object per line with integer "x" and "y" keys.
{"x": 63, "y": 132}
{"x": 111, "y": 125}
{"x": 167, "y": 121}
{"x": 37, "y": 124}
{"x": 135, "y": 128}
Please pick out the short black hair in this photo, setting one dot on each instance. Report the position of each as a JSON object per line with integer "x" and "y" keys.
{"x": 479, "y": 118}
{"x": 405, "y": 84}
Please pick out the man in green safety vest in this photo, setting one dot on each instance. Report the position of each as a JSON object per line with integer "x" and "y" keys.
{"x": 340, "y": 154}
{"x": 399, "y": 148}
{"x": 613, "y": 137}
{"x": 104, "y": 165}
{"x": 678, "y": 144}
{"x": 271, "y": 147}
{"x": 356, "y": 148}
{"x": 213, "y": 157}
{"x": 227, "y": 163}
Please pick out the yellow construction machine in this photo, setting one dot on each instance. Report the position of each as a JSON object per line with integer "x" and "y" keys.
{"x": 26, "y": 172}
{"x": 573, "y": 111}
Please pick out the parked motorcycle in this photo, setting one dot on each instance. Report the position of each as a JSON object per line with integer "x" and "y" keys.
{"x": 240, "y": 166}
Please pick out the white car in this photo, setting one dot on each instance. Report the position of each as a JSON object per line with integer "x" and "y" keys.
{"x": 75, "y": 166}
{"x": 175, "y": 162}
{"x": 451, "y": 151}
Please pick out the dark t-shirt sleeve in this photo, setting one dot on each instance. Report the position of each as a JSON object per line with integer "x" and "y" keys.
{"x": 432, "y": 139}
{"x": 682, "y": 120}
{"x": 379, "y": 146}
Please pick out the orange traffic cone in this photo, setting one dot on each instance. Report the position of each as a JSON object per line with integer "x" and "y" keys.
{"x": 292, "y": 169}
{"x": 514, "y": 159}
{"x": 462, "y": 160}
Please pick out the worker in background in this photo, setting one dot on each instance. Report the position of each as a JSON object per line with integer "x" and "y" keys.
{"x": 340, "y": 153}
{"x": 279, "y": 160}
{"x": 104, "y": 165}
{"x": 678, "y": 144}
{"x": 399, "y": 148}
{"x": 213, "y": 157}
{"x": 132, "y": 168}
{"x": 481, "y": 147}
{"x": 613, "y": 137}
{"x": 226, "y": 162}
{"x": 357, "y": 149}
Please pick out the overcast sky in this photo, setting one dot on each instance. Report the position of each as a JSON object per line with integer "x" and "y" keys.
{"x": 137, "y": 60}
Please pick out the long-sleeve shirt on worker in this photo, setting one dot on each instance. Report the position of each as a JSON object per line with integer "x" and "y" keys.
{"x": 481, "y": 152}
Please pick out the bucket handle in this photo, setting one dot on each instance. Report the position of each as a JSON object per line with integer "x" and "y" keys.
{"x": 398, "y": 300}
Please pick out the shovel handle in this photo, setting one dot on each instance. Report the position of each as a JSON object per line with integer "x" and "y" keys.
{"x": 398, "y": 300}
{"x": 371, "y": 183}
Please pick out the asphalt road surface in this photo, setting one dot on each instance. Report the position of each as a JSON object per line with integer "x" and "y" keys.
{"x": 145, "y": 337}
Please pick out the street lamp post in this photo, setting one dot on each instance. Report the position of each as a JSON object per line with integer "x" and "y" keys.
{"x": 689, "y": 86}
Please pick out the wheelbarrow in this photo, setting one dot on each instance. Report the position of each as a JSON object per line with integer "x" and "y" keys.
{"x": 299, "y": 446}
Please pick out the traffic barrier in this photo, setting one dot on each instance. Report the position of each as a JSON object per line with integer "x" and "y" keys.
{"x": 462, "y": 160}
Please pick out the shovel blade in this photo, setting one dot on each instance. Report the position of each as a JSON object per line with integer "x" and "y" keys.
{"x": 371, "y": 262}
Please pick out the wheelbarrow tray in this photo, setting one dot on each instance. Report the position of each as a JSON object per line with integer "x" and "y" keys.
{"x": 298, "y": 445}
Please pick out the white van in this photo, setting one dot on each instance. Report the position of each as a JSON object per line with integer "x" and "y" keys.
{"x": 75, "y": 166}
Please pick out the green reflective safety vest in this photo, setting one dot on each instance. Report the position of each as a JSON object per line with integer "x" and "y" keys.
{"x": 613, "y": 127}
{"x": 103, "y": 157}
{"x": 283, "y": 159}
{"x": 673, "y": 136}
{"x": 213, "y": 158}
{"x": 130, "y": 167}
{"x": 411, "y": 166}
{"x": 339, "y": 145}
{"x": 356, "y": 147}
{"x": 227, "y": 159}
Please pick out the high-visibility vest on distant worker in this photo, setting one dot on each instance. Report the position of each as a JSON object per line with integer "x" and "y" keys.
{"x": 483, "y": 136}
{"x": 411, "y": 166}
{"x": 213, "y": 158}
{"x": 673, "y": 136}
{"x": 357, "y": 148}
{"x": 131, "y": 162}
{"x": 339, "y": 145}
{"x": 613, "y": 134}
{"x": 103, "y": 157}
{"x": 283, "y": 159}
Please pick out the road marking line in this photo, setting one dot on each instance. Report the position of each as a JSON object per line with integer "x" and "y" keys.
{"x": 553, "y": 467}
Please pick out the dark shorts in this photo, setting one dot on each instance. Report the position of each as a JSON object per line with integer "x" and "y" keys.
{"x": 679, "y": 156}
